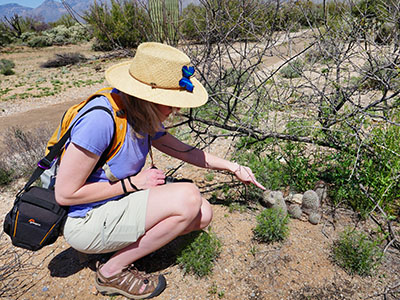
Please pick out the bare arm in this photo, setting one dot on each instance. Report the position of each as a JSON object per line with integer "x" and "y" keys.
{"x": 175, "y": 148}
{"x": 77, "y": 164}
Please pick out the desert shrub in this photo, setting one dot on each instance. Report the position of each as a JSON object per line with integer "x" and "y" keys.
{"x": 302, "y": 165}
{"x": 6, "y": 67}
{"x": 23, "y": 149}
{"x": 233, "y": 77}
{"x": 5, "y": 37}
{"x": 376, "y": 20}
{"x": 380, "y": 73}
{"x": 126, "y": 24}
{"x": 385, "y": 34}
{"x": 64, "y": 60}
{"x": 356, "y": 253}
{"x": 308, "y": 13}
{"x": 193, "y": 22}
{"x": 323, "y": 52}
{"x": 227, "y": 19}
{"x": 381, "y": 178}
{"x": 277, "y": 165}
{"x": 26, "y": 36}
{"x": 293, "y": 69}
{"x": 59, "y": 35}
{"x": 272, "y": 226}
{"x": 378, "y": 166}
{"x": 39, "y": 41}
{"x": 198, "y": 257}
{"x": 79, "y": 33}
{"x": 6, "y": 174}
{"x": 298, "y": 165}
{"x": 370, "y": 13}
{"x": 266, "y": 167}
{"x": 62, "y": 35}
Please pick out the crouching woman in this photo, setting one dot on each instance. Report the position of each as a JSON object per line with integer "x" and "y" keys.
{"x": 135, "y": 213}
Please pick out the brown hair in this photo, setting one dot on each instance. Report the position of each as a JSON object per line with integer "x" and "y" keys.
{"x": 142, "y": 115}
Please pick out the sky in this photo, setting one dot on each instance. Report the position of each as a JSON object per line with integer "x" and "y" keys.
{"x": 28, "y": 3}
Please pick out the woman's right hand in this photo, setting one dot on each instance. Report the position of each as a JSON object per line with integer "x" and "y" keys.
{"x": 148, "y": 178}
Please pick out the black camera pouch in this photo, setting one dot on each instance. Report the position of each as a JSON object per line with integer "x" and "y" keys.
{"x": 36, "y": 219}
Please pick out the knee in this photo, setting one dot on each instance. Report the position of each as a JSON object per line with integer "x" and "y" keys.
{"x": 190, "y": 200}
{"x": 206, "y": 215}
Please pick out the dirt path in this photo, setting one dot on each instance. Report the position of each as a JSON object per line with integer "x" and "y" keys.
{"x": 36, "y": 117}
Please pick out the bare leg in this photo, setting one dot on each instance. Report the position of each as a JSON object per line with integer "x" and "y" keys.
{"x": 202, "y": 219}
{"x": 172, "y": 210}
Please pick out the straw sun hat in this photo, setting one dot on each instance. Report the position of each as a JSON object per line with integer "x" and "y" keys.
{"x": 156, "y": 74}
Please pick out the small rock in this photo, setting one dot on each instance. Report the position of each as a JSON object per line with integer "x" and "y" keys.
{"x": 297, "y": 199}
{"x": 45, "y": 289}
{"x": 269, "y": 198}
{"x": 274, "y": 199}
{"x": 266, "y": 199}
{"x": 295, "y": 211}
{"x": 94, "y": 291}
{"x": 314, "y": 218}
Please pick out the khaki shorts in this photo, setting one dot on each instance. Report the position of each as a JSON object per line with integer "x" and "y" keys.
{"x": 109, "y": 227}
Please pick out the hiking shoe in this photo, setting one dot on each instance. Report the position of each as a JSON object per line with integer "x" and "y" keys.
{"x": 130, "y": 283}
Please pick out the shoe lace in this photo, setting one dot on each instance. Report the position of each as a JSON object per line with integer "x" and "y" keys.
{"x": 138, "y": 274}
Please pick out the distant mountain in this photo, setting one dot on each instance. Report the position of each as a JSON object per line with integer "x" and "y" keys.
{"x": 11, "y": 9}
{"x": 50, "y": 10}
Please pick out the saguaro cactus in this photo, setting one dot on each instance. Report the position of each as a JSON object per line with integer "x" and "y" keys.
{"x": 164, "y": 15}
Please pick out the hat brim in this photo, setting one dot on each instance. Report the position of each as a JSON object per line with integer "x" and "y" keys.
{"x": 118, "y": 77}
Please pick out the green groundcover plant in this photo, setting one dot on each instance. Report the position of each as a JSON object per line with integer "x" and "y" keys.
{"x": 356, "y": 253}
{"x": 6, "y": 67}
{"x": 198, "y": 256}
{"x": 272, "y": 226}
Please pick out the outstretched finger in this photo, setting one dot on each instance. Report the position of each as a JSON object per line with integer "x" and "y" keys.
{"x": 259, "y": 185}
{"x": 252, "y": 178}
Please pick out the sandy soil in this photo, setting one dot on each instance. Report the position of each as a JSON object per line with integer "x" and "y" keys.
{"x": 298, "y": 268}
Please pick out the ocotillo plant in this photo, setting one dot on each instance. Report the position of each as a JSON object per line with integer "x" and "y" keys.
{"x": 165, "y": 16}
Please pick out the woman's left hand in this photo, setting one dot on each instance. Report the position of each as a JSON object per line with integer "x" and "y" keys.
{"x": 245, "y": 175}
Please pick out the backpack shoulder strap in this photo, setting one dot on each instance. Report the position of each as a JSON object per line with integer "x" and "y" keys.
{"x": 120, "y": 120}
{"x": 118, "y": 114}
{"x": 56, "y": 144}
{"x": 57, "y": 149}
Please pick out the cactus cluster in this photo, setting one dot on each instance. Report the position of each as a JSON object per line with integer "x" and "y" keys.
{"x": 298, "y": 206}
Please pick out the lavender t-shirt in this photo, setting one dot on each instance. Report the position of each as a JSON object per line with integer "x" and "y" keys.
{"x": 94, "y": 132}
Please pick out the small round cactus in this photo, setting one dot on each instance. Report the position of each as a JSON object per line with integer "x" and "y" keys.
{"x": 310, "y": 201}
{"x": 295, "y": 211}
{"x": 314, "y": 217}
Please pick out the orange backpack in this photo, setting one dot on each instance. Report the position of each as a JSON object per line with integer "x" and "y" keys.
{"x": 68, "y": 119}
